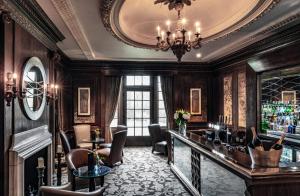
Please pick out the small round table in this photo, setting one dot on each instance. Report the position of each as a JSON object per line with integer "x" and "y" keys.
{"x": 98, "y": 172}
{"x": 94, "y": 141}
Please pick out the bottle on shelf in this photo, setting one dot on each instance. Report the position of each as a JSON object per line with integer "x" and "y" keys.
{"x": 278, "y": 144}
{"x": 256, "y": 143}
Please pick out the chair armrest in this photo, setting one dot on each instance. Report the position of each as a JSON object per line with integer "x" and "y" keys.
{"x": 57, "y": 191}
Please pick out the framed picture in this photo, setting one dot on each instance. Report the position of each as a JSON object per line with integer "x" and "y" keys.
{"x": 288, "y": 97}
{"x": 195, "y": 101}
{"x": 84, "y": 101}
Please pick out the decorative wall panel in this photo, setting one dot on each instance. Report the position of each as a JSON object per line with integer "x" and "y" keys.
{"x": 228, "y": 97}
{"x": 242, "y": 106}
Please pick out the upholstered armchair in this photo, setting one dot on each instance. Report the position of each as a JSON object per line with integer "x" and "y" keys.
{"x": 114, "y": 154}
{"x": 158, "y": 139}
{"x": 65, "y": 191}
{"x": 77, "y": 158}
{"x": 83, "y": 132}
{"x": 113, "y": 130}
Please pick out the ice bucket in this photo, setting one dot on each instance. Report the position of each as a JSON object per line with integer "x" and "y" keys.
{"x": 265, "y": 158}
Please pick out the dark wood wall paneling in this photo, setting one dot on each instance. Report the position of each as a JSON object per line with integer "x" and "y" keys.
{"x": 17, "y": 46}
{"x": 185, "y": 77}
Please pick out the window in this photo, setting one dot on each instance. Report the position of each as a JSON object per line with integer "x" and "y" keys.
{"x": 162, "y": 117}
{"x": 139, "y": 108}
{"x": 114, "y": 122}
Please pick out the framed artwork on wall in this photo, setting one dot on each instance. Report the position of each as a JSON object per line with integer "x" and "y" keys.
{"x": 288, "y": 97}
{"x": 195, "y": 101}
{"x": 84, "y": 101}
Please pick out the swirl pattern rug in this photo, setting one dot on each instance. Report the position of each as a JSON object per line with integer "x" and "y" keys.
{"x": 142, "y": 173}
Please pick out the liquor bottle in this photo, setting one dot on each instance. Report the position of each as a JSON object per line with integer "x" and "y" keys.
{"x": 278, "y": 144}
{"x": 256, "y": 143}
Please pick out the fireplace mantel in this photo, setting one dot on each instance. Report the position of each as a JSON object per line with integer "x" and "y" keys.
{"x": 24, "y": 145}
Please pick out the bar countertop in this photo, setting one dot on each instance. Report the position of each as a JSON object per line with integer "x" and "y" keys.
{"x": 239, "y": 162}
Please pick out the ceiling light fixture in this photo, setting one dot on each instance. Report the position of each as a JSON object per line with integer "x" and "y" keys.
{"x": 198, "y": 55}
{"x": 180, "y": 41}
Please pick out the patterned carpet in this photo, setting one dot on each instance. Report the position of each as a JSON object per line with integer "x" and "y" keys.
{"x": 142, "y": 173}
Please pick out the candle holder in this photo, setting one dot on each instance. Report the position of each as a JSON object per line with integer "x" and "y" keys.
{"x": 58, "y": 175}
{"x": 41, "y": 174}
{"x": 52, "y": 93}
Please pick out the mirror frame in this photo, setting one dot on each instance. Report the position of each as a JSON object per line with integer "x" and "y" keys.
{"x": 34, "y": 62}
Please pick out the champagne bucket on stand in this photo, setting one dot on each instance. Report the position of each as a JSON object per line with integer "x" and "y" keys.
{"x": 265, "y": 158}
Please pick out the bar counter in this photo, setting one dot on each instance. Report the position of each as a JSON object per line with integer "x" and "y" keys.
{"x": 212, "y": 170}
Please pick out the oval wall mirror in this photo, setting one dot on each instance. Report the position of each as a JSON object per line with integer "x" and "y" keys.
{"x": 33, "y": 86}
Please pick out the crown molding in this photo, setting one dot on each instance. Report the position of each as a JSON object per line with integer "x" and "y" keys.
{"x": 31, "y": 17}
{"x": 67, "y": 13}
{"x": 109, "y": 10}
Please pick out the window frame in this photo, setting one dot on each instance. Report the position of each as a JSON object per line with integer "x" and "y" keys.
{"x": 154, "y": 102}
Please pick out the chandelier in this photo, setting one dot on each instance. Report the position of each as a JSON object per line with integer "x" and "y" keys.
{"x": 180, "y": 40}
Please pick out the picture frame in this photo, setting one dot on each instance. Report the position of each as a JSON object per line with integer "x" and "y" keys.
{"x": 288, "y": 96}
{"x": 195, "y": 101}
{"x": 84, "y": 101}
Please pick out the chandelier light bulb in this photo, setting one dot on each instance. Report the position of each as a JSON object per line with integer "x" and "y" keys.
{"x": 198, "y": 29}
{"x": 158, "y": 30}
{"x": 162, "y": 35}
{"x": 189, "y": 34}
{"x": 197, "y": 24}
{"x": 183, "y": 22}
{"x": 174, "y": 36}
{"x": 168, "y": 23}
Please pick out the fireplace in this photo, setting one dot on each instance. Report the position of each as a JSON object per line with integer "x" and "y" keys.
{"x": 26, "y": 147}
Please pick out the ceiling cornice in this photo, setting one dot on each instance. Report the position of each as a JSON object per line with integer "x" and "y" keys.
{"x": 285, "y": 33}
{"x": 67, "y": 13}
{"x": 109, "y": 10}
{"x": 31, "y": 17}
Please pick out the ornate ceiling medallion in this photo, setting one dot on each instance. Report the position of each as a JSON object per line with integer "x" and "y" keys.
{"x": 132, "y": 22}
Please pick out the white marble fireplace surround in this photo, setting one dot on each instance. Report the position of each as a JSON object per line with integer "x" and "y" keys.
{"x": 24, "y": 145}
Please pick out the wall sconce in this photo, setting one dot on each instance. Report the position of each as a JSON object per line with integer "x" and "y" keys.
{"x": 11, "y": 91}
{"x": 52, "y": 92}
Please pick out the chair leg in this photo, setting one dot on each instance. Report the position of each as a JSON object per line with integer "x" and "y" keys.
{"x": 152, "y": 150}
{"x": 122, "y": 161}
{"x": 73, "y": 183}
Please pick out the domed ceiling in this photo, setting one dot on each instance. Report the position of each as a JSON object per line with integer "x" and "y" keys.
{"x": 125, "y": 30}
{"x": 135, "y": 21}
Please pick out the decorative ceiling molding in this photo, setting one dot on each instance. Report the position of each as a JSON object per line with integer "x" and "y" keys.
{"x": 109, "y": 10}
{"x": 67, "y": 13}
{"x": 31, "y": 17}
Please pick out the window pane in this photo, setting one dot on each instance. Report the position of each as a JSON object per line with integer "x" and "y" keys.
{"x": 130, "y": 122}
{"x": 130, "y": 113}
{"x": 138, "y": 122}
{"x": 146, "y": 95}
{"x": 146, "y": 80}
{"x": 129, "y": 80}
{"x": 146, "y": 122}
{"x": 130, "y": 104}
{"x": 146, "y": 113}
{"x": 160, "y": 96}
{"x": 138, "y": 95}
{"x": 146, "y": 131}
{"x": 138, "y": 113}
{"x": 146, "y": 104}
{"x": 138, "y": 104}
{"x": 161, "y": 105}
{"x": 162, "y": 113}
{"x": 138, "y": 131}
{"x": 138, "y": 80}
{"x": 162, "y": 121}
{"x": 130, "y": 95}
{"x": 130, "y": 132}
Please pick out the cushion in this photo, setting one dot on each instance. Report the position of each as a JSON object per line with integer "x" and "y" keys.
{"x": 85, "y": 145}
{"x": 103, "y": 152}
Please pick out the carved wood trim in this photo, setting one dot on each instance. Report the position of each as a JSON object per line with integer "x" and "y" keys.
{"x": 31, "y": 17}
{"x": 67, "y": 13}
{"x": 109, "y": 10}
